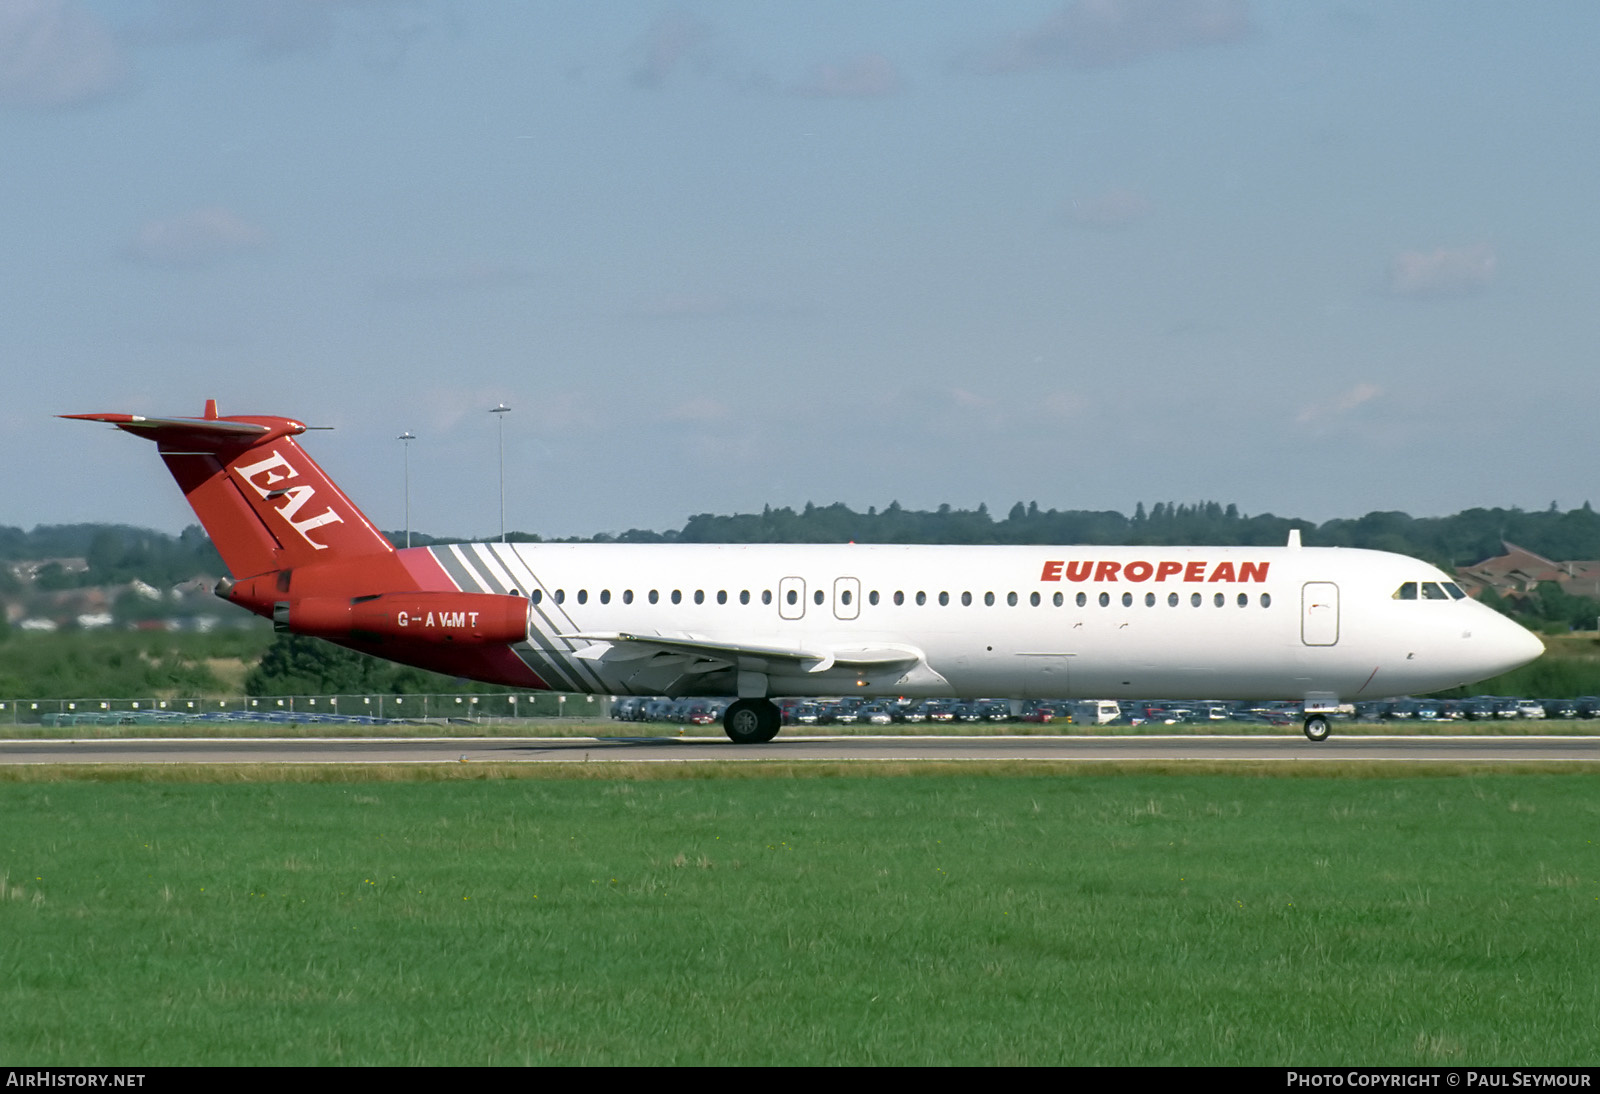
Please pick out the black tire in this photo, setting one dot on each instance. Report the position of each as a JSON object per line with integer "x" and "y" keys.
{"x": 752, "y": 721}
{"x": 1317, "y": 728}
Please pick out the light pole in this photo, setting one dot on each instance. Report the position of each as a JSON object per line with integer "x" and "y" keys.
{"x": 501, "y": 411}
{"x": 407, "y": 437}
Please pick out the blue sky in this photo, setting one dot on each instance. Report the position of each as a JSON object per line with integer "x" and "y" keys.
{"x": 1314, "y": 258}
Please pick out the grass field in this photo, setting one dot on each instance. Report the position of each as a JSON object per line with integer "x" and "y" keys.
{"x": 491, "y": 915}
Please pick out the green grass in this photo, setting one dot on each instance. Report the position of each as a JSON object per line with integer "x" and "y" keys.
{"x": 598, "y": 918}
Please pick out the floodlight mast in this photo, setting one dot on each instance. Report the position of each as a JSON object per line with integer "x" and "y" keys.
{"x": 500, "y": 412}
{"x": 407, "y": 437}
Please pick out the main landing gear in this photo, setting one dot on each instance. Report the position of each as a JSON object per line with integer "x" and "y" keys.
{"x": 1316, "y": 727}
{"x": 752, "y": 721}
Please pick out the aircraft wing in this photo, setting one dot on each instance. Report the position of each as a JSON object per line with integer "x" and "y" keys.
{"x": 622, "y": 646}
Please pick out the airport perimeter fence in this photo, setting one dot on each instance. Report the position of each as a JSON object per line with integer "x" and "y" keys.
{"x": 460, "y": 708}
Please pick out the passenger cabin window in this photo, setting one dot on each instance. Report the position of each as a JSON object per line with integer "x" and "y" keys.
{"x": 627, "y": 596}
{"x": 722, "y": 596}
{"x": 1172, "y": 600}
{"x": 699, "y": 596}
{"x": 654, "y": 596}
{"x": 744, "y": 596}
{"x": 844, "y": 597}
{"x": 538, "y": 595}
{"x": 817, "y": 596}
{"x": 1105, "y": 600}
{"x": 561, "y": 595}
{"x": 583, "y": 596}
{"x": 1149, "y": 600}
{"x": 944, "y": 600}
{"x": 1060, "y": 600}
{"x": 966, "y": 600}
{"x": 766, "y": 596}
{"x": 677, "y": 596}
{"x": 872, "y": 598}
{"x": 794, "y": 597}
{"x": 899, "y": 598}
{"x": 1083, "y": 598}
{"x": 922, "y": 598}
{"x": 1034, "y": 600}
{"x": 1266, "y": 600}
{"x": 605, "y": 596}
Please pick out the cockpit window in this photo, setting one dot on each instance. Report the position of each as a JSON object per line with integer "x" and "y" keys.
{"x": 1431, "y": 591}
{"x": 1408, "y": 591}
{"x": 1454, "y": 590}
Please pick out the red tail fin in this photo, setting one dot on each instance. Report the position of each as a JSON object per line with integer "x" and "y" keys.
{"x": 266, "y": 504}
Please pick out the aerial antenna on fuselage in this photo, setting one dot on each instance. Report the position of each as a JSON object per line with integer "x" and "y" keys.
{"x": 1294, "y": 539}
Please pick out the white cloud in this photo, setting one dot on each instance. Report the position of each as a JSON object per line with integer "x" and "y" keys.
{"x": 199, "y": 237}
{"x": 1340, "y": 405}
{"x": 702, "y": 409}
{"x": 1096, "y": 33}
{"x": 677, "y": 305}
{"x": 470, "y": 278}
{"x": 671, "y": 39}
{"x": 1110, "y": 209}
{"x": 54, "y": 54}
{"x": 868, "y": 76}
{"x": 274, "y": 28}
{"x": 1447, "y": 271}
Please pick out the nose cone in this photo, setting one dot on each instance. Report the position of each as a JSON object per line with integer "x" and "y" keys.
{"x": 1512, "y": 645}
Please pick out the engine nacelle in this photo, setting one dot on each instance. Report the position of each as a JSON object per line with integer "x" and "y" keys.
{"x": 469, "y": 619}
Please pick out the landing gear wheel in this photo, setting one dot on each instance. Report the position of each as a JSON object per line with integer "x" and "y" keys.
{"x": 752, "y": 721}
{"x": 1317, "y": 728}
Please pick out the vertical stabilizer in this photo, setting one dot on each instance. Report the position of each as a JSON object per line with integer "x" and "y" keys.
{"x": 265, "y": 503}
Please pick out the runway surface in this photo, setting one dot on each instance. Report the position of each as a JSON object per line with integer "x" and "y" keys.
{"x": 1475, "y": 749}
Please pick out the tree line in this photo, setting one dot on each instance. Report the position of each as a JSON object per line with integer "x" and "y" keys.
{"x": 118, "y": 552}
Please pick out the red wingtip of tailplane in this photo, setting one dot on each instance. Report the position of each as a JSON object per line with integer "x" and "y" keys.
{"x": 112, "y": 418}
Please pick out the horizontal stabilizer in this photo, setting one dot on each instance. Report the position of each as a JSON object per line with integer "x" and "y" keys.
{"x": 225, "y": 431}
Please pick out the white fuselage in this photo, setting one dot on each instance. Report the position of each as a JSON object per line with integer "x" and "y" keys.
{"x": 1019, "y": 622}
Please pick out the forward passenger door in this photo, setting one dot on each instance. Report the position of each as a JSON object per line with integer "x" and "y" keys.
{"x": 1319, "y": 613}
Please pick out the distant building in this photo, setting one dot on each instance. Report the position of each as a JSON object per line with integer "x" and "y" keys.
{"x": 1519, "y": 572}
{"x": 28, "y": 569}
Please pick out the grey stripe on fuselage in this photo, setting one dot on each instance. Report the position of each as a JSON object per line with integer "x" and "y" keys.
{"x": 467, "y": 577}
{"x": 505, "y": 566}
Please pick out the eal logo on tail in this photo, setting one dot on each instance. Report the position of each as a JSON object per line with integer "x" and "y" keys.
{"x": 270, "y": 472}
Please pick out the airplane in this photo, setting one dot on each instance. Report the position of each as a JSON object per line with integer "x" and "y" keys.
{"x": 1318, "y": 625}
